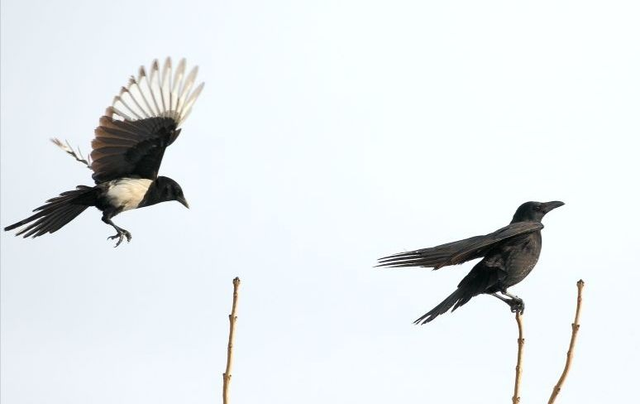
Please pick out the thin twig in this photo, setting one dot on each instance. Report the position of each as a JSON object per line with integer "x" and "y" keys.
{"x": 226, "y": 376}
{"x": 516, "y": 388}
{"x": 66, "y": 147}
{"x": 574, "y": 333}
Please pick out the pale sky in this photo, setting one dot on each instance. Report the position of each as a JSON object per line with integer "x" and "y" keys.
{"x": 329, "y": 134}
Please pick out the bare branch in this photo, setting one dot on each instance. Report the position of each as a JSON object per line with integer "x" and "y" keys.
{"x": 516, "y": 388}
{"x": 226, "y": 376}
{"x": 574, "y": 333}
{"x": 66, "y": 147}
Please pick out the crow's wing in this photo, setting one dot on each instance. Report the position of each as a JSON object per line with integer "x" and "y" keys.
{"x": 142, "y": 122}
{"x": 457, "y": 252}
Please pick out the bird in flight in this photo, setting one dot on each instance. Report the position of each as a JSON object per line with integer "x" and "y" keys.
{"x": 143, "y": 120}
{"x": 508, "y": 256}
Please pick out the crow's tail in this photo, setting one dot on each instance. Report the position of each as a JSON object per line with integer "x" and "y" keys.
{"x": 459, "y": 297}
{"x": 56, "y": 213}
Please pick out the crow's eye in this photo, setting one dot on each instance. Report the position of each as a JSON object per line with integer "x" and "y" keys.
{"x": 537, "y": 208}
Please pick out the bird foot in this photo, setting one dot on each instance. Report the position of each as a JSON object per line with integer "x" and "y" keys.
{"x": 121, "y": 235}
{"x": 517, "y": 305}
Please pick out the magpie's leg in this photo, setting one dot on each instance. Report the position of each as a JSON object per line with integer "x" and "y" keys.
{"x": 121, "y": 233}
{"x": 516, "y": 304}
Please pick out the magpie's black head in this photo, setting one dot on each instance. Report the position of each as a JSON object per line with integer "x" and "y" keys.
{"x": 170, "y": 190}
{"x": 534, "y": 211}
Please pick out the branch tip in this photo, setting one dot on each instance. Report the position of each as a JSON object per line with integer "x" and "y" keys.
{"x": 226, "y": 376}
{"x": 575, "y": 327}
{"x": 516, "y": 387}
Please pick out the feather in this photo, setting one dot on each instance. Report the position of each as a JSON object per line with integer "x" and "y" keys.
{"x": 164, "y": 93}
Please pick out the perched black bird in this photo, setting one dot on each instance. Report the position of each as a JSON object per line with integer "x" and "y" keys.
{"x": 126, "y": 153}
{"x": 510, "y": 253}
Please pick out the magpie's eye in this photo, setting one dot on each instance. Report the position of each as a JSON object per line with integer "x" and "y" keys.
{"x": 537, "y": 208}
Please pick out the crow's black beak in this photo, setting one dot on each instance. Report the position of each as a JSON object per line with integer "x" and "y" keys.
{"x": 183, "y": 201}
{"x": 549, "y": 206}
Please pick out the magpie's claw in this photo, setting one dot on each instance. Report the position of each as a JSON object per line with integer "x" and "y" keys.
{"x": 121, "y": 235}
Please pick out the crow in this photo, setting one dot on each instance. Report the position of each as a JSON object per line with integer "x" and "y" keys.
{"x": 509, "y": 254}
{"x": 127, "y": 150}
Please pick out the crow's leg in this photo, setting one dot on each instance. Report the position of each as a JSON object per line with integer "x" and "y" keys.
{"x": 121, "y": 233}
{"x": 516, "y": 304}
{"x": 504, "y": 299}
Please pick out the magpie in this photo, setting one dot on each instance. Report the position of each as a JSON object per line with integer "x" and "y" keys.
{"x": 129, "y": 143}
{"x": 508, "y": 256}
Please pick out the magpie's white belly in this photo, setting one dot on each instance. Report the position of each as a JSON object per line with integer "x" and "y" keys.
{"x": 127, "y": 192}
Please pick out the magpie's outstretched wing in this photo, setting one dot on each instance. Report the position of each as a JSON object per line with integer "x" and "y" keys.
{"x": 143, "y": 120}
{"x": 458, "y": 252}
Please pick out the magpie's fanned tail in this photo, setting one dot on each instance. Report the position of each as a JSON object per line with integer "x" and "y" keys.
{"x": 56, "y": 213}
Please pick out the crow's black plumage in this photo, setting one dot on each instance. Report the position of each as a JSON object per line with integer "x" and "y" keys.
{"x": 510, "y": 254}
{"x": 127, "y": 150}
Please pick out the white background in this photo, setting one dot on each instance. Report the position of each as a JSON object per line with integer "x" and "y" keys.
{"x": 328, "y": 134}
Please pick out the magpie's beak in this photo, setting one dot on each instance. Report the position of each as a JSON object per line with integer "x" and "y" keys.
{"x": 549, "y": 206}
{"x": 183, "y": 201}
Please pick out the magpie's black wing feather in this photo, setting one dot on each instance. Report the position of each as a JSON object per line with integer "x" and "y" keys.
{"x": 458, "y": 252}
{"x": 127, "y": 149}
{"x": 142, "y": 122}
